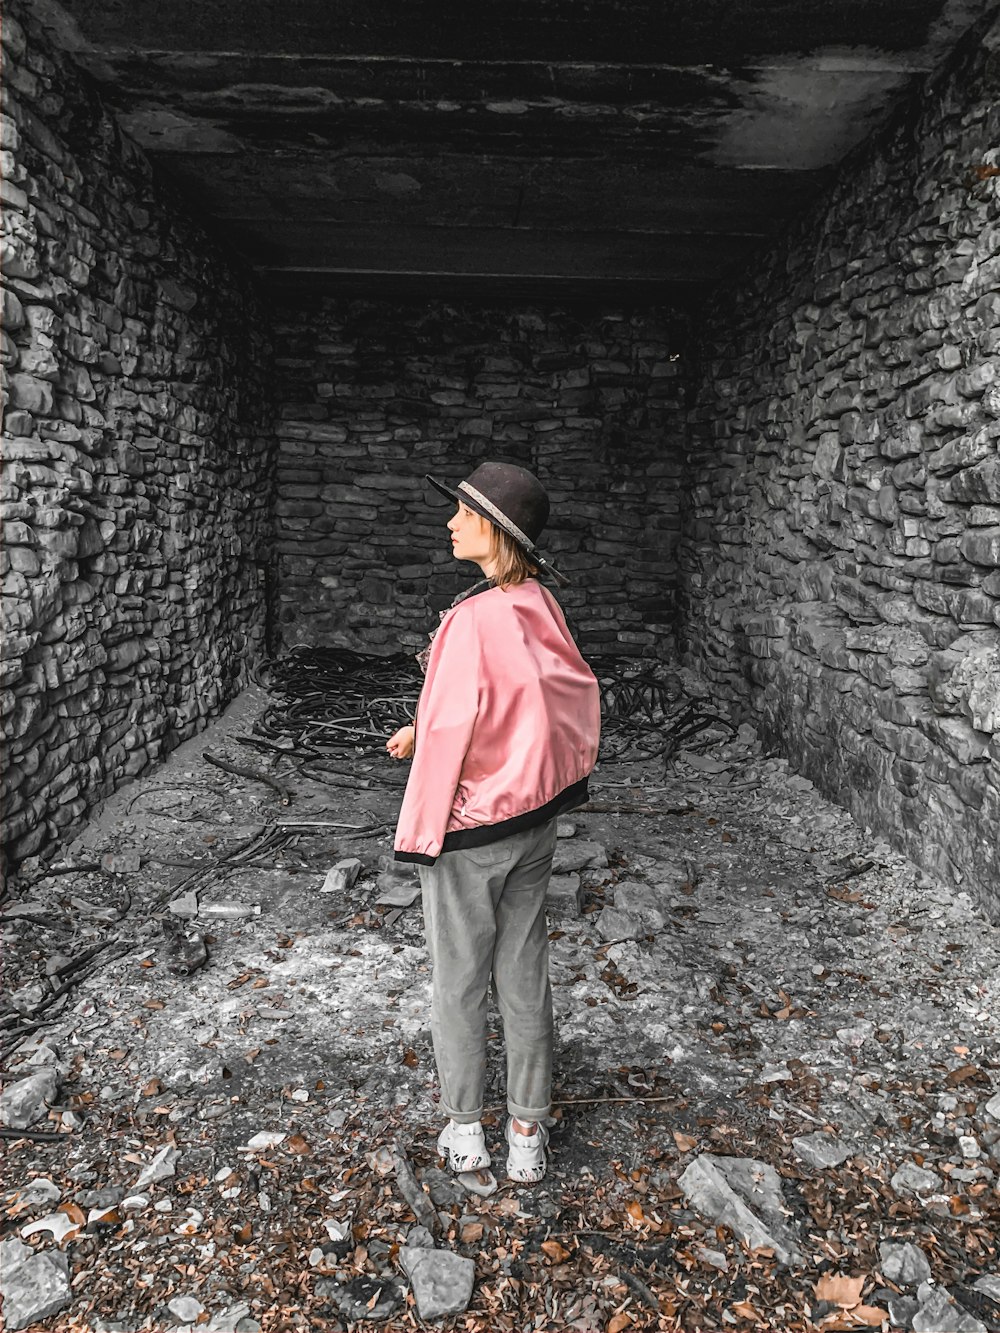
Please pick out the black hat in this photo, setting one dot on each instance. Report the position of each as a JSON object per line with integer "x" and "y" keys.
{"x": 513, "y": 499}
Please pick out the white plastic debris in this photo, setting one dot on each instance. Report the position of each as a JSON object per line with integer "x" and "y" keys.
{"x": 60, "y": 1224}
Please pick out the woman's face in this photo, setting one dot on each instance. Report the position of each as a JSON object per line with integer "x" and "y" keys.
{"x": 471, "y": 536}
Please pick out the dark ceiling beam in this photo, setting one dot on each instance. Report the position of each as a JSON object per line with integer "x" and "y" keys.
{"x": 454, "y": 189}
{"x": 490, "y": 250}
{"x": 301, "y": 287}
{"x": 222, "y": 80}
{"x": 723, "y": 32}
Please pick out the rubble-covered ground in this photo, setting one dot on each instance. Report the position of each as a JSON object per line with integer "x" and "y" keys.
{"x": 778, "y": 1069}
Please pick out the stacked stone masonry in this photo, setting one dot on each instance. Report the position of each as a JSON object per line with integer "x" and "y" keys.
{"x": 375, "y": 396}
{"x": 841, "y": 560}
{"x": 136, "y": 455}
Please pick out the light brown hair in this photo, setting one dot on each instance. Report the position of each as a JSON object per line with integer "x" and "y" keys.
{"x": 511, "y": 565}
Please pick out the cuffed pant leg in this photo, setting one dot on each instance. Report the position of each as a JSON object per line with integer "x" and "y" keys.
{"x": 521, "y": 975}
{"x": 460, "y": 929}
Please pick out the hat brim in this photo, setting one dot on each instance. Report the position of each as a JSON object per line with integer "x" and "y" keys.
{"x": 459, "y": 497}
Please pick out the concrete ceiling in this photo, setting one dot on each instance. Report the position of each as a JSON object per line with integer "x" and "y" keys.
{"x": 635, "y": 148}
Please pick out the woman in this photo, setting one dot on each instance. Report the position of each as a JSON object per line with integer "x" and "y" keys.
{"x": 506, "y": 735}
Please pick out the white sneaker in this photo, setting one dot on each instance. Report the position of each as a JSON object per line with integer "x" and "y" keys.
{"x": 526, "y": 1159}
{"x": 464, "y": 1146}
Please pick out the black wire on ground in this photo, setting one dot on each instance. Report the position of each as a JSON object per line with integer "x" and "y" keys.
{"x": 330, "y": 702}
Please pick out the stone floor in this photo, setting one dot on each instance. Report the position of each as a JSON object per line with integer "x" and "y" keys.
{"x": 744, "y": 975}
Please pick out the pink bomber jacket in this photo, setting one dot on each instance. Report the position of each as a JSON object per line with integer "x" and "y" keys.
{"x": 507, "y": 728}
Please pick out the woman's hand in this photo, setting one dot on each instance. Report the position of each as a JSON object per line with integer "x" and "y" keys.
{"x": 400, "y": 745}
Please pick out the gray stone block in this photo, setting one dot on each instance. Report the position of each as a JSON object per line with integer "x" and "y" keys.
{"x": 35, "y": 1283}
{"x": 565, "y": 892}
{"x": 578, "y": 854}
{"x": 904, "y": 1264}
{"x": 941, "y": 1313}
{"x": 744, "y": 1195}
{"x": 441, "y": 1281}
{"x": 821, "y": 1150}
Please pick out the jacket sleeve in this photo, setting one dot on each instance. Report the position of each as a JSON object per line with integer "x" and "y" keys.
{"x": 446, "y": 716}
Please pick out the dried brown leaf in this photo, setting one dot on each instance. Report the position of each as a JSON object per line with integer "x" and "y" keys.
{"x": 839, "y": 1290}
{"x": 869, "y": 1316}
{"x": 746, "y": 1311}
{"x": 964, "y": 1074}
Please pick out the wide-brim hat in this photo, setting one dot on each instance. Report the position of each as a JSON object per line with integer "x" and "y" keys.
{"x": 513, "y": 499}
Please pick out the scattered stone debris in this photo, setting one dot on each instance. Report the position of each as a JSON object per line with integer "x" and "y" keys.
{"x": 482, "y": 1182}
{"x": 185, "y": 1308}
{"x": 398, "y": 884}
{"x": 905, "y": 1264}
{"x": 821, "y": 1150}
{"x": 162, "y": 1167}
{"x": 341, "y": 876}
{"x": 35, "y": 1283}
{"x": 410, "y": 1188}
{"x": 744, "y": 1195}
{"x": 939, "y": 1312}
{"x": 27, "y": 1100}
{"x": 441, "y": 1281}
{"x": 913, "y": 1179}
{"x": 754, "y": 1016}
{"x": 186, "y": 948}
{"x": 565, "y": 893}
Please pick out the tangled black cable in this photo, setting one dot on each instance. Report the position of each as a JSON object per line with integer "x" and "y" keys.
{"x": 331, "y": 700}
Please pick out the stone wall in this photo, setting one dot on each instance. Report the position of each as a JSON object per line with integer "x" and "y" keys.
{"x": 375, "y": 396}
{"x": 841, "y": 565}
{"x": 135, "y": 456}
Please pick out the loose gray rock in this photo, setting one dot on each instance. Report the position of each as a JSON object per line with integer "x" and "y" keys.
{"x": 224, "y": 1320}
{"x": 564, "y": 891}
{"x": 902, "y": 1309}
{"x": 397, "y": 886}
{"x": 941, "y": 1313}
{"x": 186, "y": 906}
{"x": 571, "y": 854}
{"x": 992, "y": 1107}
{"x": 644, "y": 901}
{"x": 419, "y": 1238}
{"x": 443, "y": 1186}
{"x": 482, "y": 1182}
{"x": 744, "y": 1195}
{"x": 989, "y": 1286}
{"x": 341, "y": 876}
{"x": 821, "y": 1150}
{"x": 565, "y": 829}
{"x": 420, "y": 1203}
{"x": 185, "y": 1308}
{"x": 160, "y": 1168}
{"x": 27, "y": 1100}
{"x": 904, "y": 1263}
{"x": 41, "y": 1190}
{"x": 913, "y": 1179}
{"x": 35, "y": 1283}
{"x": 29, "y": 999}
{"x": 362, "y": 1299}
{"x": 614, "y": 924}
{"x": 441, "y": 1281}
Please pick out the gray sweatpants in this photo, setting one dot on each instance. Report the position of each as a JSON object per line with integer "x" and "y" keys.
{"x": 484, "y": 916}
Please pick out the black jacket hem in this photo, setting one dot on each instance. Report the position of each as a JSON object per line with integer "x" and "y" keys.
{"x": 458, "y": 839}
